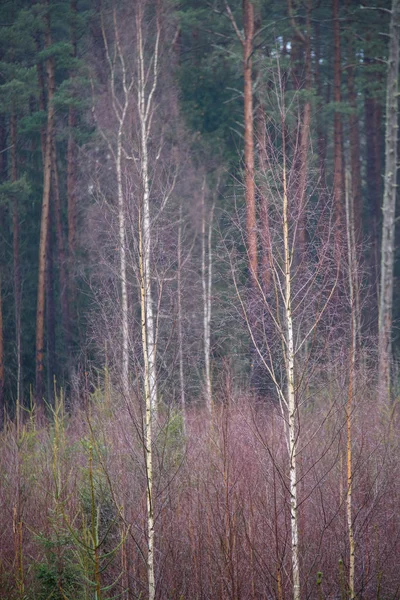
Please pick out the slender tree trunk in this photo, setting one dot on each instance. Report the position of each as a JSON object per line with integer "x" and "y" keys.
{"x": 50, "y": 314}
{"x": 145, "y": 108}
{"x": 16, "y": 257}
{"x": 206, "y": 280}
{"x": 120, "y": 111}
{"x": 44, "y": 225}
{"x": 122, "y": 258}
{"x": 291, "y": 391}
{"x": 352, "y": 270}
{"x": 251, "y": 218}
{"x": 62, "y": 258}
{"x": 145, "y": 112}
{"x": 389, "y": 208}
{"x": 373, "y": 123}
{"x": 180, "y": 333}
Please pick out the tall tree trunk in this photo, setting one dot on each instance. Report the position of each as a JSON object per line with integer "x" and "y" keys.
{"x": 291, "y": 389}
{"x": 206, "y": 279}
{"x": 16, "y": 258}
{"x": 50, "y": 314}
{"x": 145, "y": 91}
{"x": 373, "y": 136}
{"x": 338, "y": 180}
{"x": 120, "y": 111}
{"x": 389, "y": 207}
{"x": 352, "y": 270}
{"x": 180, "y": 329}
{"x": 44, "y": 224}
{"x": 251, "y": 218}
{"x": 62, "y": 258}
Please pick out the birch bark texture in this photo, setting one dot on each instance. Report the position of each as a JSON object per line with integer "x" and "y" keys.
{"x": 206, "y": 280}
{"x": 146, "y": 88}
{"x": 389, "y": 209}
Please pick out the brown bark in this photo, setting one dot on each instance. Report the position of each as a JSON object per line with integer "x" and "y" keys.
{"x": 44, "y": 225}
{"x": 16, "y": 256}
{"x": 50, "y": 314}
{"x": 338, "y": 180}
{"x": 62, "y": 259}
{"x": 250, "y": 197}
{"x": 251, "y": 224}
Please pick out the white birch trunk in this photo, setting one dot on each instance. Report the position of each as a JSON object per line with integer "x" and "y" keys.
{"x": 145, "y": 113}
{"x": 120, "y": 110}
{"x": 180, "y": 337}
{"x": 145, "y": 107}
{"x": 389, "y": 207}
{"x": 206, "y": 280}
{"x": 291, "y": 395}
{"x": 353, "y": 342}
{"x": 122, "y": 255}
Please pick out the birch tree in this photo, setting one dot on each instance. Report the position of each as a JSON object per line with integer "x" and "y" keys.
{"x": 206, "y": 282}
{"x": 120, "y": 105}
{"x": 287, "y": 319}
{"x": 134, "y": 135}
{"x": 389, "y": 207}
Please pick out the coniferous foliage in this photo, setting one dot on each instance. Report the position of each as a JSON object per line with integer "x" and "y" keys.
{"x": 197, "y": 228}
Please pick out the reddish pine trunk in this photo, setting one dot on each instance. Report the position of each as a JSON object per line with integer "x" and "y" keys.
{"x": 44, "y": 225}
{"x": 50, "y": 314}
{"x": 62, "y": 259}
